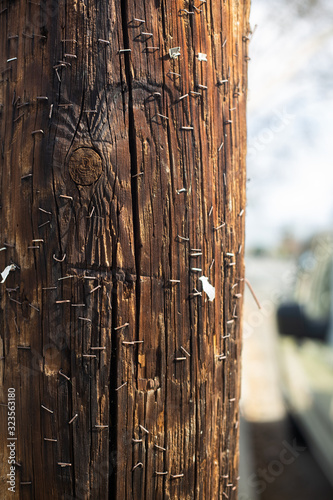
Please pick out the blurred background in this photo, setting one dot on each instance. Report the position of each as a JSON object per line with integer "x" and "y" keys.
{"x": 287, "y": 387}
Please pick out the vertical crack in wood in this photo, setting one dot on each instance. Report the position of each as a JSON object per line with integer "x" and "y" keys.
{"x": 133, "y": 159}
{"x": 115, "y": 359}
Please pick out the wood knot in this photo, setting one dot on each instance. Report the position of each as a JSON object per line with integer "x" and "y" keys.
{"x": 85, "y": 166}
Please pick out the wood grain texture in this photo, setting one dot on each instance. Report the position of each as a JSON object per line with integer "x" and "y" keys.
{"x": 122, "y": 182}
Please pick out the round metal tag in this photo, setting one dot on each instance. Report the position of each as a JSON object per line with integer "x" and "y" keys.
{"x": 85, "y": 166}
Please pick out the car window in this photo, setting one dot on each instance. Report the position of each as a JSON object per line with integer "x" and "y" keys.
{"x": 314, "y": 287}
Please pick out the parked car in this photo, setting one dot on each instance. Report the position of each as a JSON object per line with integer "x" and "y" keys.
{"x": 306, "y": 350}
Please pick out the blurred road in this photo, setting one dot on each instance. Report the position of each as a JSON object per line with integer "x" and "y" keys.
{"x": 268, "y": 436}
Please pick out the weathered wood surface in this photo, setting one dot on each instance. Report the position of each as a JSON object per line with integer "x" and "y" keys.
{"x": 97, "y": 162}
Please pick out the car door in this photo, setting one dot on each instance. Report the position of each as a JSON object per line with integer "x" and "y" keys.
{"x": 307, "y": 363}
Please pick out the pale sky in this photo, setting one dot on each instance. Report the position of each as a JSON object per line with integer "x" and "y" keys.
{"x": 290, "y": 120}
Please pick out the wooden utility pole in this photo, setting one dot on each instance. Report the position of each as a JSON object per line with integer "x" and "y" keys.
{"x": 122, "y": 150}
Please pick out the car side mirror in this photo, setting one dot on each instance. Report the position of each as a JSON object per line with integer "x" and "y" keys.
{"x": 292, "y": 321}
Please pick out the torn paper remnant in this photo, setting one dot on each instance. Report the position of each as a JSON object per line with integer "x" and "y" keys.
{"x": 207, "y": 288}
{"x": 202, "y": 57}
{"x": 174, "y": 53}
{"x": 6, "y": 271}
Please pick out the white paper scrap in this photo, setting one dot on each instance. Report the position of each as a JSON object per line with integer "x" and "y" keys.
{"x": 207, "y": 288}
{"x": 6, "y": 271}
{"x": 202, "y": 57}
{"x": 174, "y": 53}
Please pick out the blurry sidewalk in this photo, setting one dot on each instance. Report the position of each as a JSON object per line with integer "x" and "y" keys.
{"x": 271, "y": 279}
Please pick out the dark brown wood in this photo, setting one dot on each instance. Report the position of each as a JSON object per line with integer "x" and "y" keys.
{"x": 120, "y": 178}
